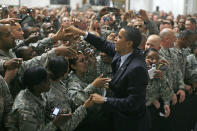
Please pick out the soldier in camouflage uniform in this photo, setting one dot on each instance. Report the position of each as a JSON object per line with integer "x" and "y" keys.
{"x": 191, "y": 65}
{"x": 79, "y": 91}
{"x": 38, "y": 46}
{"x": 7, "y": 56}
{"x": 28, "y": 112}
{"x": 6, "y": 102}
{"x": 174, "y": 73}
{"x": 104, "y": 65}
{"x": 181, "y": 50}
{"x": 176, "y": 78}
{"x": 57, "y": 97}
{"x": 153, "y": 41}
{"x": 158, "y": 88}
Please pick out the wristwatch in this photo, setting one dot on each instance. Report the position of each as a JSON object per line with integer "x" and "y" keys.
{"x": 105, "y": 99}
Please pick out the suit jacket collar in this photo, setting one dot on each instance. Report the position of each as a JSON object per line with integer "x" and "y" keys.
{"x": 123, "y": 68}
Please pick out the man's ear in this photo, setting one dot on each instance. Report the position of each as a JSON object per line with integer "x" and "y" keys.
{"x": 130, "y": 44}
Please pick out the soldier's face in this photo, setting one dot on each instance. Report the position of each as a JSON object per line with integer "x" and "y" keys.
{"x": 81, "y": 65}
{"x": 152, "y": 43}
{"x": 139, "y": 25}
{"x": 105, "y": 58}
{"x": 17, "y": 31}
{"x": 7, "y": 37}
{"x": 189, "y": 25}
{"x": 153, "y": 57}
{"x": 66, "y": 22}
{"x": 45, "y": 85}
{"x": 49, "y": 28}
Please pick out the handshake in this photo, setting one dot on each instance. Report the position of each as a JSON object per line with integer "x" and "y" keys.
{"x": 99, "y": 82}
{"x": 94, "y": 98}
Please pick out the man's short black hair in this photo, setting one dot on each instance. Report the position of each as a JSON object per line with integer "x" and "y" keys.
{"x": 192, "y": 20}
{"x": 134, "y": 35}
{"x": 185, "y": 34}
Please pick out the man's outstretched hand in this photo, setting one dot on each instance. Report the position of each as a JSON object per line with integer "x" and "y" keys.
{"x": 74, "y": 31}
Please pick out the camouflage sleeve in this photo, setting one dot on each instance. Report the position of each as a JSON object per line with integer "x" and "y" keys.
{"x": 6, "y": 102}
{"x": 152, "y": 27}
{"x": 92, "y": 72}
{"x": 191, "y": 66}
{"x": 151, "y": 92}
{"x": 36, "y": 61}
{"x": 179, "y": 80}
{"x": 28, "y": 122}
{"x": 41, "y": 44}
{"x": 188, "y": 70}
{"x": 77, "y": 94}
{"x": 77, "y": 116}
{"x": 166, "y": 92}
{"x": 1, "y": 65}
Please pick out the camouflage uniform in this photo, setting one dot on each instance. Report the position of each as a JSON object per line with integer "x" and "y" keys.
{"x": 15, "y": 86}
{"x": 57, "y": 97}
{"x": 79, "y": 91}
{"x": 192, "y": 67}
{"x": 174, "y": 74}
{"x": 39, "y": 46}
{"x": 159, "y": 88}
{"x": 39, "y": 60}
{"x": 100, "y": 68}
{"x": 181, "y": 55}
{"x": 104, "y": 68}
{"x": 29, "y": 113}
{"x": 6, "y": 102}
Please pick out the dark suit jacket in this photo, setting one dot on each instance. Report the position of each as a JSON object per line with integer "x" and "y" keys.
{"x": 129, "y": 86}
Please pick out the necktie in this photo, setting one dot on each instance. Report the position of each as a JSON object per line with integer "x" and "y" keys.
{"x": 118, "y": 63}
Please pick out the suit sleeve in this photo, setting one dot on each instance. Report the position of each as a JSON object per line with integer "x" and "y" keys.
{"x": 137, "y": 82}
{"x": 101, "y": 44}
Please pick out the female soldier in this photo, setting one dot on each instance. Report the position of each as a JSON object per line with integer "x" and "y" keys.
{"x": 79, "y": 90}
{"x": 28, "y": 111}
{"x": 57, "y": 97}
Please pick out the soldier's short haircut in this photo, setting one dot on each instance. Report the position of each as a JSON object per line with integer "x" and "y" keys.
{"x": 150, "y": 50}
{"x": 57, "y": 67}
{"x": 19, "y": 51}
{"x": 165, "y": 32}
{"x": 185, "y": 34}
{"x": 34, "y": 76}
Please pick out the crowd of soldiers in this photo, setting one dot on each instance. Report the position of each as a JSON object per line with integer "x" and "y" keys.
{"x": 45, "y": 68}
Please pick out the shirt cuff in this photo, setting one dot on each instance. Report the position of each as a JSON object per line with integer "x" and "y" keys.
{"x": 105, "y": 99}
{"x": 86, "y": 35}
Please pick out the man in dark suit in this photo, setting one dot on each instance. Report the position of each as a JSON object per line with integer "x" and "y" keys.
{"x": 129, "y": 80}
